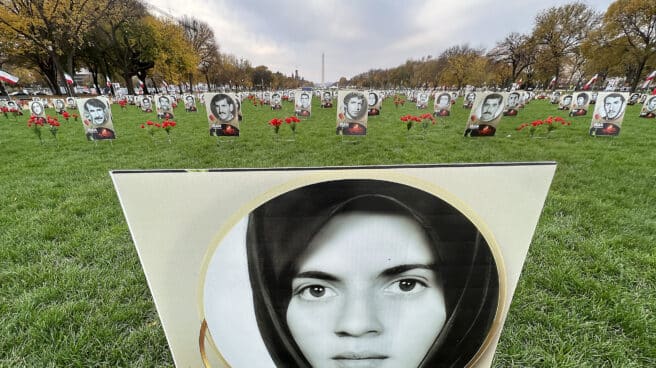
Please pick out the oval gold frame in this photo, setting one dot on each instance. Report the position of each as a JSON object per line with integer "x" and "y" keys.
{"x": 364, "y": 174}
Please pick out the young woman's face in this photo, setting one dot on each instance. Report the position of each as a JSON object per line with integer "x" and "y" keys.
{"x": 366, "y": 294}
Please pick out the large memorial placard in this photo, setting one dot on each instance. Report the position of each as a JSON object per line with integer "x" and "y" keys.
{"x": 223, "y": 112}
{"x": 298, "y": 267}
{"x": 96, "y": 118}
{"x": 608, "y": 113}
{"x": 486, "y": 114}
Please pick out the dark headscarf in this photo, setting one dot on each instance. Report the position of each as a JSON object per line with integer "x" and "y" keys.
{"x": 280, "y": 230}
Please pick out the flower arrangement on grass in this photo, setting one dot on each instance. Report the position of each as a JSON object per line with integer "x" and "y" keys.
{"x": 168, "y": 126}
{"x": 36, "y": 123}
{"x": 66, "y": 115}
{"x": 54, "y": 125}
{"x": 123, "y": 104}
{"x": 275, "y": 123}
{"x": 398, "y": 100}
{"x": 424, "y": 120}
{"x": 292, "y": 121}
{"x": 150, "y": 127}
{"x": 549, "y": 124}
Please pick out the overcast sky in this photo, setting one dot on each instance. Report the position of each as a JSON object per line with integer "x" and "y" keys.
{"x": 354, "y": 35}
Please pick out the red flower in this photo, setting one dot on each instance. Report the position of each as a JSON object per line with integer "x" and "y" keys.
{"x": 149, "y": 122}
{"x": 157, "y": 125}
{"x": 404, "y": 118}
{"x": 288, "y": 120}
{"x": 229, "y": 130}
{"x": 275, "y": 122}
{"x": 143, "y": 126}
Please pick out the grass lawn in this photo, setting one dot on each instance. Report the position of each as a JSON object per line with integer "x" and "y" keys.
{"x": 72, "y": 292}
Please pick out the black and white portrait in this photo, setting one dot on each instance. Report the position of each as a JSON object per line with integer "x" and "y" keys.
{"x": 164, "y": 107}
{"x": 485, "y": 115}
{"x": 580, "y": 104}
{"x": 565, "y": 102}
{"x": 190, "y": 103}
{"x": 352, "y": 108}
{"x": 442, "y": 104}
{"x": 276, "y": 101}
{"x": 633, "y": 99}
{"x": 70, "y": 103}
{"x": 37, "y": 109}
{"x": 223, "y": 111}
{"x": 146, "y": 104}
{"x": 512, "y": 104}
{"x": 96, "y": 118}
{"x": 326, "y": 99}
{"x": 649, "y": 108}
{"x": 303, "y": 103}
{"x": 60, "y": 105}
{"x": 468, "y": 101}
{"x": 608, "y": 114}
{"x": 362, "y": 273}
{"x": 422, "y": 100}
{"x": 374, "y": 101}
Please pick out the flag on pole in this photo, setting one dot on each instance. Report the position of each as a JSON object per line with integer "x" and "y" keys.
{"x": 553, "y": 81}
{"x": 650, "y": 77}
{"x": 590, "y": 82}
{"x": 69, "y": 79}
{"x": 8, "y": 77}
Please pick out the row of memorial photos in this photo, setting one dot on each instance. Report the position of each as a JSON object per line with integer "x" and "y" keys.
{"x": 224, "y": 110}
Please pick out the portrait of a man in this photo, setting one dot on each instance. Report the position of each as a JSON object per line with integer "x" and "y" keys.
{"x": 37, "y": 109}
{"x": 512, "y": 104}
{"x": 146, "y": 104}
{"x": 164, "y": 107}
{"x": 555, "y": 97}
{"x": 326, "y": 99}
{"x": 97, "y": 118}
{"x": 635, "y": 97}
{"x": 485, "y": 115}
{"x": 442, "y": 104}
{"x": 608, "y": 114}
{"x": 70, "y": 103}
{"x": 565, "y": 102}
{"x": 352, "y": 111}
{"x": 303, "y": 104}
{"x": 60, "y": 105}
{"x": 469, "y": 100}
{"x": 276, "y": 101}
{"x": 580, "y": 104}
{"x": 223, "y": 114}
{"x": 190, "y": 103}
{"x": 422, "y": 100}
{"x": 368, "y": 280}
{"x": 649, "y": 108}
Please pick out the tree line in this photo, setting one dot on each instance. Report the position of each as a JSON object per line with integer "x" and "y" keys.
{"x": 570, "y": 43}
{"x": 119, "y": 40}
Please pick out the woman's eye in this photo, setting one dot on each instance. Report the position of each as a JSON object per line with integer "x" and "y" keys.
{"x": 406, "y": 286}
{"x": 316, "y": 292}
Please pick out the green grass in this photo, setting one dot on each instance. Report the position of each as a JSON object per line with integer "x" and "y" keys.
{"x": 72, "y": 292}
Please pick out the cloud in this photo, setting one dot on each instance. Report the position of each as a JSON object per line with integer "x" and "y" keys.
{"x": 355, "y": 36}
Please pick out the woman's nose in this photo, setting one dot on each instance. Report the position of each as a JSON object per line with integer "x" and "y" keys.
{"x": 358, "y": 317}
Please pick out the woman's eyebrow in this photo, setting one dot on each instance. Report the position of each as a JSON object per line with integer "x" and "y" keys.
{"x": 397, "y": 270}
{"x": 316, "y": 275}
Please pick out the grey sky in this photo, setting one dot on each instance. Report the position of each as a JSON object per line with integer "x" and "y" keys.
{"x": 356, "y": 35}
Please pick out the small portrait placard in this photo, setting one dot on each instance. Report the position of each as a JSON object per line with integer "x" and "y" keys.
{"x": 59, "y": 104}
{"x": 468, "y": 100}
{"x": 37, "y": 109}
{"x": 190, "y": 103}
{"x": 96, "y": 118}
{"x": 289, "y": 270}
{"x": 565, "y": 102}
{"x": 146, "y": 104}
{"x": 374, "y": 102}
{"x": 352, "y": 108}
{"x": 70, "y": 103}
{"x": 512, "y": 103}
{"x": 486, "y": 114}
{"x": 223, "y": 111}
{"x": 303, "y": 103}
{"x": 326, "y": 99}
{"x": 609, "y": 113}
{"x": 442, "y": 104}
{"x": 267, "y": 98}
{"x": 422, "y": 100}
{"x": 633, "y": 99}
{"x": 580, "y": 104}
{"x": 593, "y": 97}
{"x": 555, "y": 97}
{"x": 276, "y": 100}
{"x": 164, "y": 106}
{"x": 649, "y": 108}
